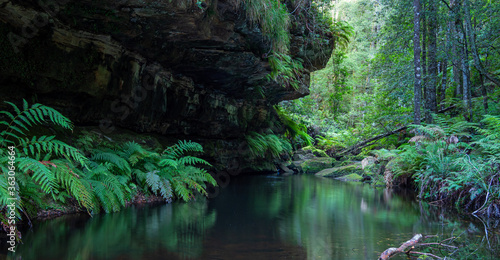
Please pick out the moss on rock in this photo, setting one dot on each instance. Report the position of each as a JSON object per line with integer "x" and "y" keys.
{"x": 351, "y": 177}
{"x": 317, "y": 152}
{"x": 317, "y": 164}
{"x": 341, "y": 171}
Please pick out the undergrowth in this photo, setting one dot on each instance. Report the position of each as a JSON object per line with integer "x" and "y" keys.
{"x": 453, "y": 162}
{"x": 105, "y": 178}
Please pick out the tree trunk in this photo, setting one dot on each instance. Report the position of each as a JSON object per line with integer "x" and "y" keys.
{"x": 472, "y": 41}
{"x": 484, "y": 93}
{"x": 423, "y": 28}
{"x": 417, "y": 85}
{"x": 465, "y": 75}
{"x": 456, "y": 52}
{"x": 444, "y": 70}
{"x": 432, "y": 71}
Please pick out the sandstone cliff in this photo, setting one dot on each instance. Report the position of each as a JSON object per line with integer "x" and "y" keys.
{"x": 188, "y": 69}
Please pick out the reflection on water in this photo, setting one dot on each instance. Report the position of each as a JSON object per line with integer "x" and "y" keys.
{"x": 261, "y": 217}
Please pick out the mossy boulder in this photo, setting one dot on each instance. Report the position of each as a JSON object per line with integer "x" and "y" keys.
{"x": 317, "y": 152}
{"x": 351, "y": 177}
{"x": 341, "y": 171}
{"x": 317, "y": 164}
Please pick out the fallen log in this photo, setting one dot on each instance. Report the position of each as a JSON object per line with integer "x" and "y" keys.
{"x": 371, "y": 140}
{"x": 380, "y": 136}
{"x": 393, "y": 251}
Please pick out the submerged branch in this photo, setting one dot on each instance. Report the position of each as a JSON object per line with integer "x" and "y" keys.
{"x": 393, "y": 251}
{"x": 409, "y": 246}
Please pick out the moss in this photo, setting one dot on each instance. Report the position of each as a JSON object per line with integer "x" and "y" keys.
{"x": 317, "y": 164}
{"x": 351, "y": 177}
{"x": 341, "y": 171}
{"x": 317, "y": 152}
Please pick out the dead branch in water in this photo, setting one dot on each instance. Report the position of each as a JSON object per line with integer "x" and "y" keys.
{"x": 409, "y": 246}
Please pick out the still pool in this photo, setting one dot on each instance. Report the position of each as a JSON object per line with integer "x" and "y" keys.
{"x": 262, "y": 217}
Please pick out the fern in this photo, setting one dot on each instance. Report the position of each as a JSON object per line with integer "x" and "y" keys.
{"x": 47, "y": 145}
{"x": 28, "y": 117}
{"x": 37, "y": 175}
{"x": 159, "y": 184}
{"x": 121, "y": 164}
{"x": 181, "y": 148}
{"x": 292, "y": 129}
{"x": 270, "y": 144}
{"x": 39, "y": 172}
{"x": 71, "y": 181}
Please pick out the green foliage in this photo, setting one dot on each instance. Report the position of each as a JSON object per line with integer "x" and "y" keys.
{"x": 446, "y": 166}
{"x": 274, "y": 19}
{"x": 36, "y": 176}
{"x": 293, "y": 130}
{"x": 268, "y": 145}
{"x": 49, "y": 170}
{"x": 285, "y": 70}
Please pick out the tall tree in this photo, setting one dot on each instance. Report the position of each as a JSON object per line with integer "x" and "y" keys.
{"x": 417, "y": 85}
{"x": 431, "y": 82}
{"x": 464, "y": 57}
{"x": 455, "y": 49}
{"x": 423, "y": 27}
{"x": 472, "y": 41}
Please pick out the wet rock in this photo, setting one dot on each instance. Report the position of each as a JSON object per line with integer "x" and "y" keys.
{"x": 315, "y": 165}
{"x": 341, "y": 170}
{"x": 350, "y": 177}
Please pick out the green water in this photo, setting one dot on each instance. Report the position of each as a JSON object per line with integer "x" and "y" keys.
{"x": 260, "y": 217}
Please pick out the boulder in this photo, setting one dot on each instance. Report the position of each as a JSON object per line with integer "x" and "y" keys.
{"x": 341, "y": 170}
{"x": 317, "y": 164}
{"x": 350, "y": 177}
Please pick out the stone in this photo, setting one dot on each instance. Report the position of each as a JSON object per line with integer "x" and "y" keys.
{"x": 317, "y": 152}
{"x": 350, "y": 177}
{"x": 341, "y": 170}
{"x": 315, "y": 165}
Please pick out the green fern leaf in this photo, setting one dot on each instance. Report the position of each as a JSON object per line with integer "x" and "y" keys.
{"x": 40, "y": 173}
{"x": 15, "y": 107}
{"x": 190, "y": 160}
{"x": 12, "y": 117}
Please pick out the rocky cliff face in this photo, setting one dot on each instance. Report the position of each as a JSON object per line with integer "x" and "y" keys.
{"x": 194, "y": 70}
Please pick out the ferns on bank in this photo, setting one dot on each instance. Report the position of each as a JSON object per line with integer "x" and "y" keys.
{"x": 447, "y": 165}
{"x": 51, "y": 170}
{"x": 35, "y": 174}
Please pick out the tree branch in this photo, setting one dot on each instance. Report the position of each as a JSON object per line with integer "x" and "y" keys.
{"x": 393, "y": 251}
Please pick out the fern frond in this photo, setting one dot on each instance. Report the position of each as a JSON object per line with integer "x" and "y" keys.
{"x": 153, "y": 181}
{"x": 179, "y": 149}
{"x": 36, "y": 114}
{"x": 114, "y": 159}
{"x": 114, "y": 186}
{"x": 179, "y": 186}
{"x": 190, "y": 160}
{"x": 169, "y": 163}
{"x": 40, "y": 173}
{"x": 47, "y": 144}
{"x": 166, "y": 190}
{"x": 257, "y": 144}
{"x": 66, "y": 175}
{"x": 105, "y": 197}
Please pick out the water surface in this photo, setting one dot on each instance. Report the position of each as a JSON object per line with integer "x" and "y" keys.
{"x": 260, "y": 217}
